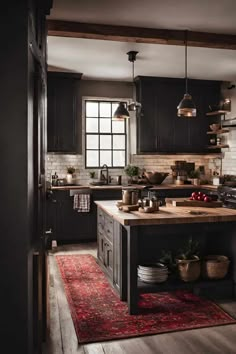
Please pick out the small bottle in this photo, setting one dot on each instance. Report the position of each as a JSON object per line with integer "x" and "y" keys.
{"x": 54, "y": 179}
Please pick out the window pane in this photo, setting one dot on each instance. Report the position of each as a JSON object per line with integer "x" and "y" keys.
{"x": 118, "y": 142}
{"x": 92, "y": 141}
{"x": 105, "y": 125}
{"x": 118, "y": 158}
{"x": 105, "y": 109}
{"x": 118, "y": 126}
{"x": 92, "y": 125}
{"x": 92, "y": 158}
{"x": 105, "y": 141}
{"x": 91, "y": 109}
{"x": 114, "y": 107}
{"x": 105, "y": 157}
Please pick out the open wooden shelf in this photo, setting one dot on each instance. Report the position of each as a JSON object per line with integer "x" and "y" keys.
{"x": 176, "y": 284}
{"x": 217, "y": 132}
{"x": 216, "y": 113}
{"x": 221, "y": 146}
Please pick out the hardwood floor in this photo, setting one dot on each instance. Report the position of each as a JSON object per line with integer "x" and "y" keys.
{"x": 63, "y": 340}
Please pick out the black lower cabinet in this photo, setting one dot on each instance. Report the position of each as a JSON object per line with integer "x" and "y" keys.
{"x": 69, "y": 225}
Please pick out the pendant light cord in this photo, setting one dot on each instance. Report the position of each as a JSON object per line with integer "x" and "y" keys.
{"x": 133, "y": 70}
{"x": 186, "y": 63}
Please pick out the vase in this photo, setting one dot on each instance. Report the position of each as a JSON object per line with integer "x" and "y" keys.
{"x": 69, "y": 178}
{"x": 196, "y": 181}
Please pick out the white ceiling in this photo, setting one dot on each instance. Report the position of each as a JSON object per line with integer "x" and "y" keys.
{"x": 107, "y": 60}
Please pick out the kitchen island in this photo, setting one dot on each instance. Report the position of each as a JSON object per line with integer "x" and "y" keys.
{"x": 128, "y": 239}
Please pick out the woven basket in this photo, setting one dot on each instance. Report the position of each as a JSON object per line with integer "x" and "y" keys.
{"x": 215, "y": 267}
{"x": 189, "y": 270}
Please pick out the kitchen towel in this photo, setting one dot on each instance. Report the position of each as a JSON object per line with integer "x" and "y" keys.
{"x": 82, "y": 203}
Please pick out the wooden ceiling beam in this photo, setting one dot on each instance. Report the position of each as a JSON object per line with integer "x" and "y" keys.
{"x": 139, "y": 35}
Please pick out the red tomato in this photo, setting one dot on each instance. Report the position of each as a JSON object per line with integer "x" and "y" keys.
{"x": 199, "y": 197}
{"x": 200, "y": 193}
{"x": 191, "y": 198}
{"x": 194, "y": 194}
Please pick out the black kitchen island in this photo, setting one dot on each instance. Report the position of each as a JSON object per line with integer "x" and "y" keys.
{"x": 128, "y": 239}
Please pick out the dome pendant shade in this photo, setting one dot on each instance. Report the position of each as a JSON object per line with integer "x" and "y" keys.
{"x": 186, "y": 107}
{"x": 121, "y": 112}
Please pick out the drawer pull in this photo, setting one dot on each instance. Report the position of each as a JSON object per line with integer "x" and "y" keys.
{"x": 108, "y": 231}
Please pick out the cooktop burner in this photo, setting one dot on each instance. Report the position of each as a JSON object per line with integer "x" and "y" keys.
{"x": 227, "y": 194}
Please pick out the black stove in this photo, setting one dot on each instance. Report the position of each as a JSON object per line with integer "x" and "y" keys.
{"x": 227, "y": 194}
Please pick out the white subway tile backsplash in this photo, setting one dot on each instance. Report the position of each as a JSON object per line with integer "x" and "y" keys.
{"x": 162, "y": 163}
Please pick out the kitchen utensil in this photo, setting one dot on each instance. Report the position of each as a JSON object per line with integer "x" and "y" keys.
{"x": 155, "y": 177}
{"x": 118, "y": 180}
{"x": 130, "y": 196}
{"x": 134, "y": 197}
{"x": 154, "y": 203}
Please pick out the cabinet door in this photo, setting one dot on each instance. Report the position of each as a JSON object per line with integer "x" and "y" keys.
{"x": 108, "y": 257}
{"x": 159, "y": 128}
{"x": 146, "y": 119}
{"x": 171, "y": 130}
{"x": 52, "y": 142}
{"x": 66, "y": 115}
{"x": 101, "y": 247}
{"x": 62, "y": 113}
{"x": 203, "y": 92}
{"x": 72, "y": 225}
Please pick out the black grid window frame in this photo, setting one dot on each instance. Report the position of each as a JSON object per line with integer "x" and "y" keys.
{"x": 108, "y": 134}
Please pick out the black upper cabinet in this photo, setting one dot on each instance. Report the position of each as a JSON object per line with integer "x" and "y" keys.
{"x": 159, "y": 129}
{"x": 63, "y": 112}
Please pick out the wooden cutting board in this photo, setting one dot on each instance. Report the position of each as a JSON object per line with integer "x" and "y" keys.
{"x": 193, "y": 203}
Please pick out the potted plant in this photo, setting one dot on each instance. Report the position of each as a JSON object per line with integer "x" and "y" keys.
{"x": 70, "y": 173}
{"x": 92, "y": 176}
{"x": 194, "y": 175}
{"x": 188, "y": 261}
{"x": 132, "y": 171}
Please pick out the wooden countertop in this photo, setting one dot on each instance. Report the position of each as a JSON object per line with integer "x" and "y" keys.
{"x": 167, "y": 215}
{"x": 138, "y": 186}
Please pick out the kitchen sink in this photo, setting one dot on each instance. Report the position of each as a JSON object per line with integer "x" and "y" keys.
{"x": 98, "y": 184}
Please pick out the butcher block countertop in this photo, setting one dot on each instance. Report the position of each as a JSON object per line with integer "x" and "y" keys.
{"x": 138, "y": 186}
{"x": 168, "y": 215}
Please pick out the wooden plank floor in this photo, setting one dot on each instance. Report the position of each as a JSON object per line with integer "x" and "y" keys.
{"x": 63, "y": 340}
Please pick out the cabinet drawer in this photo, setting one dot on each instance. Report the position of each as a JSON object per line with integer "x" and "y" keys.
{"x": 108, "y": 228}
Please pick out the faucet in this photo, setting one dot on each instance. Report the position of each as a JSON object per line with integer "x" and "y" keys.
{"x": 102, "y": 177}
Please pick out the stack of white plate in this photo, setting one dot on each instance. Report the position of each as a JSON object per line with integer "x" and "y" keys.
{"x": 153, "y": 273}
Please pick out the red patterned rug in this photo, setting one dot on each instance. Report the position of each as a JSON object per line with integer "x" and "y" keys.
{"x": 99, "y": 315}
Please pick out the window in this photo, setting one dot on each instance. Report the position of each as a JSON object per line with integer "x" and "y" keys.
{"x": 105, "y": 139}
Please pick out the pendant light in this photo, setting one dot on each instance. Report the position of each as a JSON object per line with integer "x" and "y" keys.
{"x": 134, "y": 105}
{"x": 186, "y": 107}
{"x": 121, "y": 112}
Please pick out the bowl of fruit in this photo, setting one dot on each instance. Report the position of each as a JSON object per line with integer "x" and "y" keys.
{"x": 201, "y": 197}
